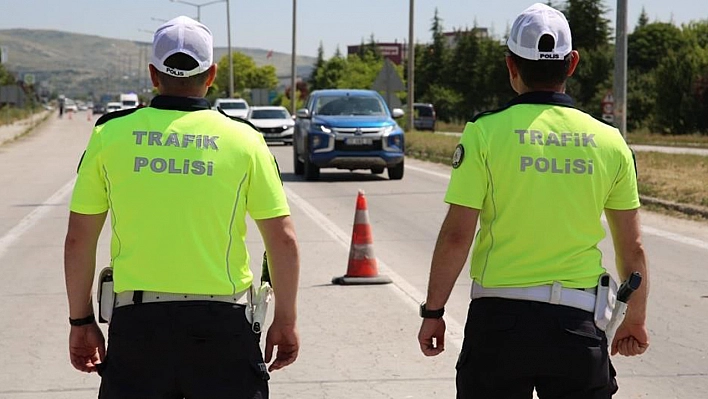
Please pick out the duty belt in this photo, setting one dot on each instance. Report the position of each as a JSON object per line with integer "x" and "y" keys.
{"x": 126, "y": 298}
{"x": 577, "y": 298}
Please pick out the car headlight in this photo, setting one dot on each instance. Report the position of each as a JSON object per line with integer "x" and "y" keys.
{"x": 325, "y": 129}
{"x": 387, "y": 130}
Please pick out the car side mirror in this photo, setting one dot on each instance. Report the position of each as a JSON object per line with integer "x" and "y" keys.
{"x": 397, "y": 113}
{"x": 303, "y": 113}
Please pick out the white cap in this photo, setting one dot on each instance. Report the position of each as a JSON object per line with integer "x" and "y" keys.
{"x": 183, "y": 35}
{"x": 531, "y": 25}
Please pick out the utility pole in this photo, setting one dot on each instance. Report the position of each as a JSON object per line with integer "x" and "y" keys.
{"x": 228, "y": 33}
{"x": 620, "y": 81}
{"x": 411, "y": 65}
{"x": 231, "y": 60}
{"x": 293, "y": 73}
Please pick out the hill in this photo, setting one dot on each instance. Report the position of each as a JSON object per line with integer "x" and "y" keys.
{"x": 78, "y": 65}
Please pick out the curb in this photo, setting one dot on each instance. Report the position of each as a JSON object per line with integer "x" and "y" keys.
{"x": 693, "y": 210}
{"x": 37, "y": 120}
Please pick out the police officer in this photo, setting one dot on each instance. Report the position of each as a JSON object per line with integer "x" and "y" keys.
{"x": 178, "y": 180}
{"x": 538, "y": 175}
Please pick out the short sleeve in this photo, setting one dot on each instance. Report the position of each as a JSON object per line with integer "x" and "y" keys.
{"x": 90, "y": 196}
{"x": 623, "y": 194}
{"x": 266, "y": 197}
{"x": 469, "y": 178}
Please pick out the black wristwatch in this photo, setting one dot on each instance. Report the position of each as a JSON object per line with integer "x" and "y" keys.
{"x": 83, "y": 321}
{"x": 431, "y": 314}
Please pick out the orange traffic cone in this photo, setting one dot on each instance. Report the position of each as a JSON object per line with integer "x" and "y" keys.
{"x": 362, "y": 267}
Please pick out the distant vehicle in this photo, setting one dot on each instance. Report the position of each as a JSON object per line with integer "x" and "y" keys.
{"x": 347, "y": 129}
{"x": 232, "y": 106}
{"x": 99, "y": 109}
{"x": 129, "y": 100}
{"x": 113, "y": 106}
{"x": 70, "y": 105}
{"x": 274, "y": 122}
{"x": 424, "y": 116}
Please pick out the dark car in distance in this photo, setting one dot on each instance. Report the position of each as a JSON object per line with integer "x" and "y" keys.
{"x": 424, "y": 117}
{"x": 99, "y": 109}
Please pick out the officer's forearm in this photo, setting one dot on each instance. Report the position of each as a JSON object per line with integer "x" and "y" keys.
{"x": 626, "y": 265}
{"x": 284, "y": 262}
{"x": 79, "y": 269}
{"x": 451, "y": 250}
{"x": 80, "y": 261}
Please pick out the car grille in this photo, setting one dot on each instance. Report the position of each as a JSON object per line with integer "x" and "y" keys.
{"x": 342, "y": 146}
{"x": 278, "y": 129}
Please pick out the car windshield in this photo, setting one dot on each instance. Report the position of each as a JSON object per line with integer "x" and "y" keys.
{"x": 424, "y": 111}
{"x": 232, "y": 105}
{"x": 269, "y": 114}
{"x": 349, "y": 105}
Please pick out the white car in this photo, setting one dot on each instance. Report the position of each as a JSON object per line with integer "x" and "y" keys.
{"x": 274, "y": 122}
{"x": 237, "y": 107}
{"x": 114, "y": 106}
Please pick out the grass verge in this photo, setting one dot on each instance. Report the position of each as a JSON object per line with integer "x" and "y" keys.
{"x": 670, "y": 178}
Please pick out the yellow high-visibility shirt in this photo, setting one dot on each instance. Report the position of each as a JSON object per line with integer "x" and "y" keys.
{"x": 178, "y": 180}
{"x": 541, "y": 173}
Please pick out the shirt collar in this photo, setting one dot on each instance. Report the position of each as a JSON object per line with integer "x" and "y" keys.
{"x": 180, "y": 103}
{"x": 543, "y": 97}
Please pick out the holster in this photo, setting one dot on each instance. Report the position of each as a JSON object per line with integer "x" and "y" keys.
{"x": 257, "y": 308}
{"x": 106, "y": 295}
{"x": 605, "y": 300}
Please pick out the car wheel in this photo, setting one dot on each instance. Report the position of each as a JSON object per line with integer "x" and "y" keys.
{"x": 312, "y": 171}
{"x": 396, "y": 172}
{"x": 298, "y": 166}
{"x": 377, "y": 171}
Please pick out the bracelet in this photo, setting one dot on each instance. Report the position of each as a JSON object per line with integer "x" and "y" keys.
{"x": 82, "y": 322}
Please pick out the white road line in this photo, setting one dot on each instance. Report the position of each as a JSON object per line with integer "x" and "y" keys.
{"x": 406, "y": 291}
{"x": 34, "y": 217}
{"x": 675, "y": 237}
{"x": 646, "y": 229}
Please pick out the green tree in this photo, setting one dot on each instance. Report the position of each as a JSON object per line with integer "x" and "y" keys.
{"x": 329, "y": 76}
{"x": 588, "y": 24}
{"x": 465, "y": 75}
{"x": 360, "y": 72}
{"x": 641, "y": 100}
{"x": 643, "y": 19}
{"x": 649, "y": 44}
{"x": 246, "y": 74}
{"x": 430, "y": 63}
{"x": 680, "y": 100}
{"x": 316, "y": 78}
{"x": 264, "y": 77}
{"x": 592, "y": 78}
{"x": 6, "y": 78}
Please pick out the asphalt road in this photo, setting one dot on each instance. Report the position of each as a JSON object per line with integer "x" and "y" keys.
{"x": 357, "y": 342}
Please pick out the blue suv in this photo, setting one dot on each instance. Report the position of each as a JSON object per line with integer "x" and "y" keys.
{"x": 347, "y": 129}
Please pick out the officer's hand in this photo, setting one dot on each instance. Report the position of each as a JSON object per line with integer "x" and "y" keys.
{"x": 87, "y": 347}
{"x": 431, "y": 336}
{"x": 285, "y": 337}
{"x": 631, "y": 339}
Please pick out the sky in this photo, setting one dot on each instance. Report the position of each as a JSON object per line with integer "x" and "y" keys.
{"x": 267, "y": 24}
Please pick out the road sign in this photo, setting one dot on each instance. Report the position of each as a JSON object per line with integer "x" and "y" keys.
{"x": 608, "y": 107}
{"x": 388, "y": 79}
{"x": 389, "y": 82}
{"x": 29, "y": 79}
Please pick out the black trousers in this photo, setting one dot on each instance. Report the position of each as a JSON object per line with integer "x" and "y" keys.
{"x": 193, "y": 350}
{"x": 512, "y": 347}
